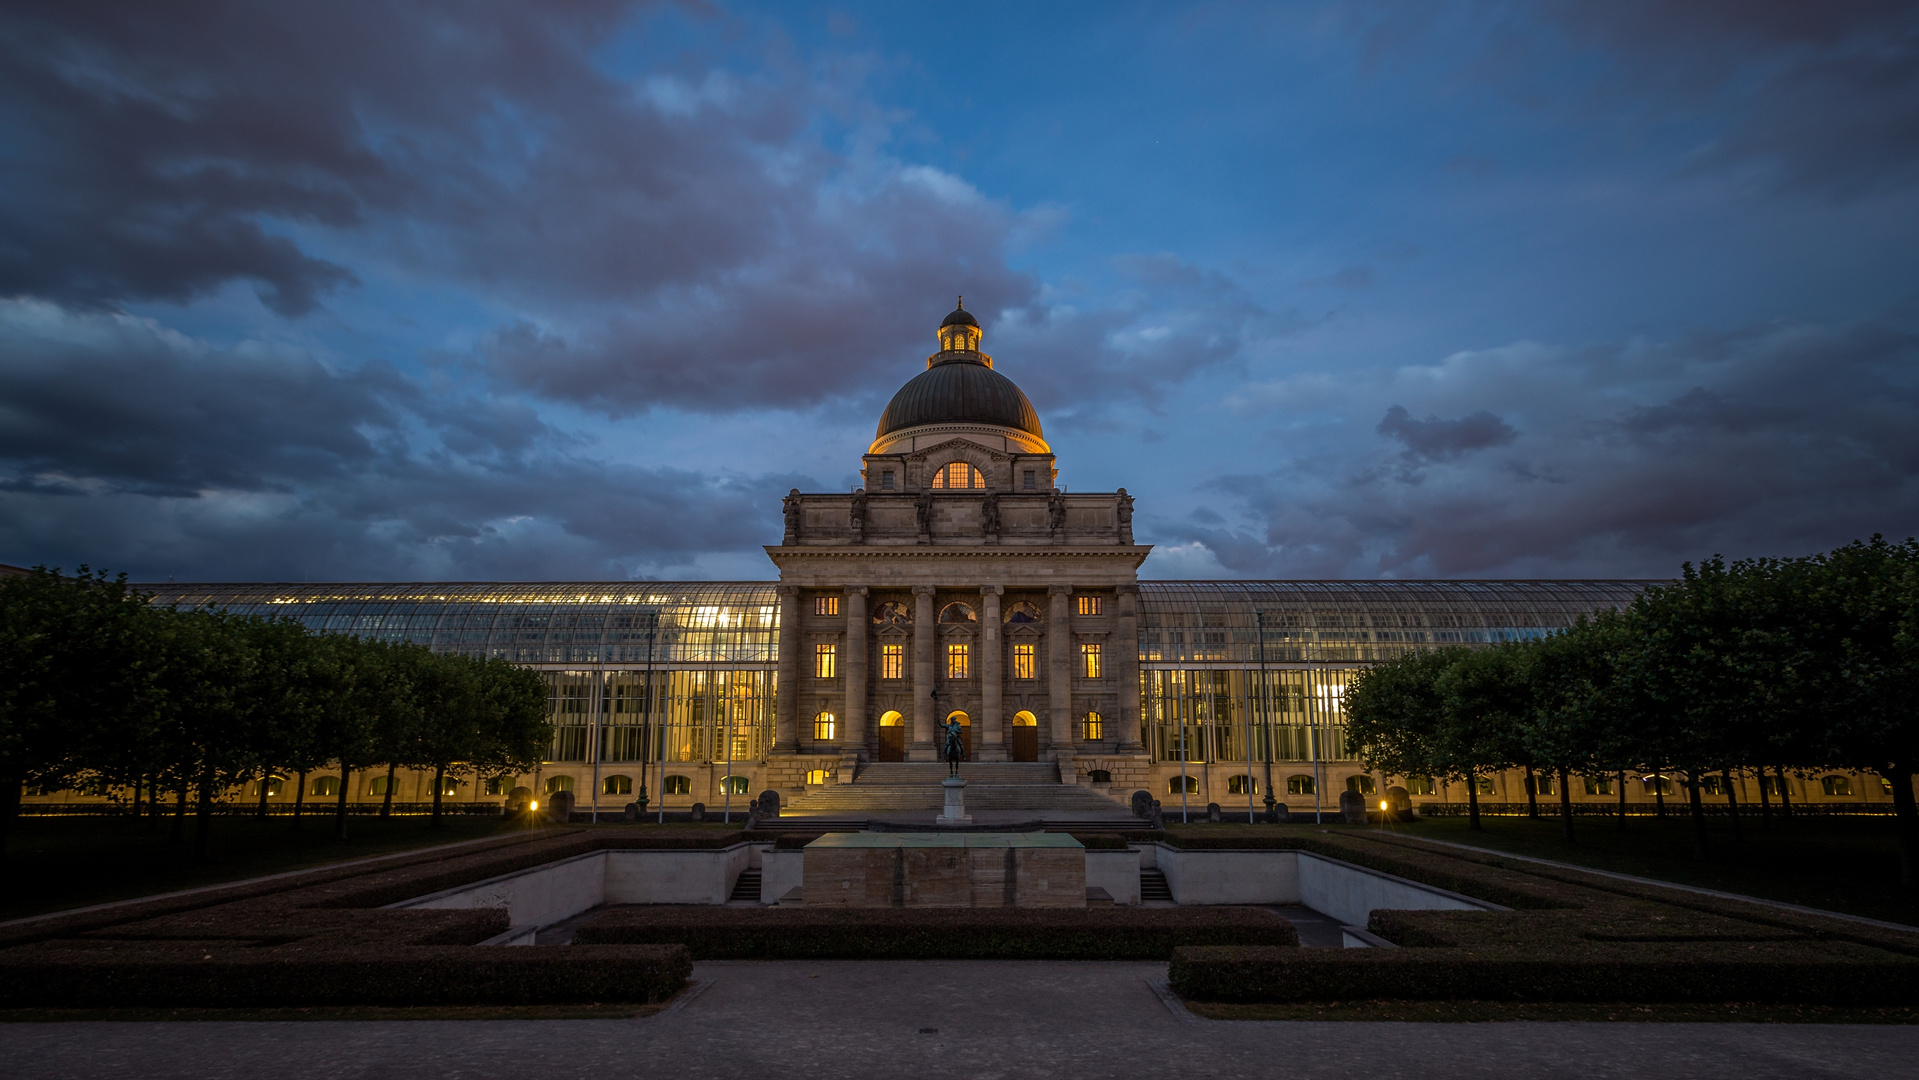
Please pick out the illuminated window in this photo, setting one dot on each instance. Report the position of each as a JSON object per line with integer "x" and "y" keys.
{"x": 1300, "y": 784}
{"x": 325, "y": 785}
{"x": 616, "y": 785}
{"x": 1773, "y": 785}
{"x": 1485, "y": 785}
{"x": 1240, "y": 785}
{"x": 958, "y": 661}
{"x": 1545, "y": 784}
{"x": 1173, "y": 784}
{"x": 826, "y": 605}
{"x": 1031, "y": 480}
{"x": 273, "y": 787}
{"x": 448, "y": 786}
{"x": 1835, "y": 785}
{"x": 826, "y": 663}
{"x": 1023, "y": 661}
{"x": 1361, "y": 784}
{"x": 378, "y": 786}
{"x": 1708, "y": 785}
{"x": 958, "y": 475}
{"x": 892, "y": 661}
{"x": 816, "y": 777}
{"x": 1655, "y": 784}
{"x": 556, "y": 784}
{"x": 1095, "y": 725}
{"x": 731, "y": 785}
{"x": 500, "y": 785}
{"x": 1089, "y": 663}
{"x": 1089, "y": 605}
{"x": 1421, "y": 785}
{"x": 1598, "y": 785}
{"x": 823, "y": 727}
{"x": 886, "y": 480}
{"x": 679, "y": 785}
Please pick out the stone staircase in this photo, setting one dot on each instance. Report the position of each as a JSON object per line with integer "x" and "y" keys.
{"x": 914, "y": 786}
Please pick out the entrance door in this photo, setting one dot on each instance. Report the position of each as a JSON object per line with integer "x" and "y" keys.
{"x": 1024, "y": 744}
{"x": 892, "y": 738}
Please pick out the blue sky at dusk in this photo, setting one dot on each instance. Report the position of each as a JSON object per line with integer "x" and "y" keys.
{"x": 421, "y": 290}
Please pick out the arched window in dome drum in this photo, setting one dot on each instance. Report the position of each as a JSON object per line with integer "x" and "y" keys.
{"x": 958, "y": 475}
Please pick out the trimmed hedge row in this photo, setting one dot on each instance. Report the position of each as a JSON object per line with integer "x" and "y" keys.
{"x": 220, "y": 975}
{"x": 1851, "y": 975}
{"x": 799, "y": 933}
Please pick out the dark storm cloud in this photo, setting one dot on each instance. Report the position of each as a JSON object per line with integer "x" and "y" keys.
{"x": 684, "y": 238}
{"x": 253, "y": 463}
{"x": 1779, "y": 440}
{"x": 1433, "y": 439}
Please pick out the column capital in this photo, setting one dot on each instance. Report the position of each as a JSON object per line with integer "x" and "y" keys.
{"x": 925, "y": 590}
{"x": 855, "y": 590}
{"x": 992, "y": 590}
{"x": 1059, "y": 590}
{"x": 1128, "y": 588}
{"x": 789, "y": 590}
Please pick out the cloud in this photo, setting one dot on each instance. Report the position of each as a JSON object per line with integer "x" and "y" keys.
{"x": 1433, "y": 439}
{"x": 159, "y": 454}
{"x": 1779, "y": 439}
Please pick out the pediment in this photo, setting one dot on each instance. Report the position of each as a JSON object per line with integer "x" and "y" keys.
{"x": 950, "y": 446}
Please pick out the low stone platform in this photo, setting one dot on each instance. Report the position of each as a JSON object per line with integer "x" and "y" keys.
{"x": 906, "y": 869}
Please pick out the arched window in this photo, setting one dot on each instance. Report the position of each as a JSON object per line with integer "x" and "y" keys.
{"x": 1173, "y": 782}
{"x": 1362, "y": 784}
{"x": 1835, "y": 785}
{"x": 557, "y": 784}
{"x": 823, "y": 727}
{"x": 891, "y": 719}
{"x": 1025, "y": 719}
{"x": 1020, "y": 611}
{"x": 1421, "y": 785}
{"x": 891, "y": 614}
{"x": 958, "y": 613}
{"x": 325, "y": 785}
{"x": 378, "y": 785}
{"x": 500, "y": 785}
{"x": 729, "y": 785}
{"x": 449, "y": 785}
{"x": 616, "y": 785}
{"x": 273, "y": 787}
{"x": 1242, "y": 785}
{"x": 682, "y": 785}
{"x": 1099, "y": 776}
{"x": 1300, "y": 784}
{"x": 1657, "y": 784}
{"x": 1095, "y": 725}
{"x": 958, "y": 476}
{"x": 816, "y": 777}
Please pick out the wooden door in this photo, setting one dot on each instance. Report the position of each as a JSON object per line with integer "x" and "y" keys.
{"x": 1025, "y": 744}
{"x": 893, "y": 743}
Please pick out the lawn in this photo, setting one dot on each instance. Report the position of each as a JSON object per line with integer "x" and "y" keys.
{"x": 57, "y": 863}
{"x": 1839, "y": 864}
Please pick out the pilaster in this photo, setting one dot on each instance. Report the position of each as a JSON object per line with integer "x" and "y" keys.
{"x": 786, "y": 698}
{"x": 992, "y": 668}
{"x": 1126, "y": 666}
{"x": 925, "y": 642}
{"x": 853, "y": 715}
{"x": 1059, "y": 650}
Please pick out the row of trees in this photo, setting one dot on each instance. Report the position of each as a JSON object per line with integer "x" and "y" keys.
{"x": 100, "y": 687}
{"x": 1768, "y": 665}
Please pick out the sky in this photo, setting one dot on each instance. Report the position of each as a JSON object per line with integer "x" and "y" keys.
{"x": 435, "y": 290}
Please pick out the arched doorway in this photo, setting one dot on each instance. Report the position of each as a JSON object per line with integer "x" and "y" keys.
{"x": 966, "y": 735}
{"x": 892, "y": 736}
{"x": 1025, "y": 740}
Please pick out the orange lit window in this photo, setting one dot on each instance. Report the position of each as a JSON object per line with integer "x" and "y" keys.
{"x": 958, "y": 661}
{"x": 1089, "y": 605}
{"x": 1095, "y": 727}
{"x": 830, "y": 605}
{"x": 892, "y": 661}
{"x": 1023, "y": 661}
{"x": 823, "y": 726}
{"x": 826, "y": 661}
{"x": 958, "y": 475}
{"x": 1089, "y": 661}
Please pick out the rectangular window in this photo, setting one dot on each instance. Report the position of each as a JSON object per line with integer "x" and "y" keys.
{"x": 892, "y": 661}
{"x": 1089, "y": 665}
{"x": 1089, "y": 605}
{"x": 826, "y": 605}
{"x": 1023, "y": 661}
{"x": 958, "y": 661}
{"x": 1598, "y": 785}
{"x": 1032, "y": 480}
{"x": 826, "y": 661}
{"x": 886, "y": 480}
{"x": 1095, "y": 727}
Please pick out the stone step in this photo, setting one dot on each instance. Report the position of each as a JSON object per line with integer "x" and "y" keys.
{"x": 984, "y": 772}
{"x": 747, "y": 888}
{"x": 1153, "y": 887}
{"x": 980, "y": 796}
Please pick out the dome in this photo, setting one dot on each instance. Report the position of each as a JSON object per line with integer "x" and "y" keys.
{"x": 959, "y": 391}
{"x": 959, "y": 317}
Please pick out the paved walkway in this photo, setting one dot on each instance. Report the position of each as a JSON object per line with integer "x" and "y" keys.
{"x": 851, "y": 1020}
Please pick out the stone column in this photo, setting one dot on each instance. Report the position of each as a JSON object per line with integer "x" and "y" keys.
{"x": 1125, "y": 661}
{"x": 990, "y": 727}
{"x": 1061, "y": 655}
{"x": 853, "y": 714}
{"x": 786, "y": 699}
{"x": 925, "y": 646}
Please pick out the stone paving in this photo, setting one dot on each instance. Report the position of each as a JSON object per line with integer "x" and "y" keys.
{"x": 935, "y": 1019}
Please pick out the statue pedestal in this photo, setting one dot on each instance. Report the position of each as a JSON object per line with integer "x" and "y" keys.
{"x": 955, "y": 813}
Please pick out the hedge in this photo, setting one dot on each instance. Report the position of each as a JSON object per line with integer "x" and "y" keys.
{"x": 799, "y": 933}
{"x": 1691, "y": 972}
